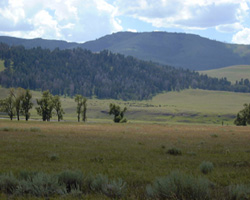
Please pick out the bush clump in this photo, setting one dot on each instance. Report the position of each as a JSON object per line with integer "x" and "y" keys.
{"x": 111, "y": 188}
{"x": 206, "y": 167}
{"x": 179, "y": 186}
{"x": 72, "y": 180}
{"x": 8, "y": 183}
{"x": 239, "y": 192}
{"x": 69, "y": 182}
{"x": 40, "y": 185}
{"x": 174, "y": 151}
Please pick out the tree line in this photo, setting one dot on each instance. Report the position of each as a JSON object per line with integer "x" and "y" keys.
{"x": 103, "y": 74}
{"x": 19, "y": 102}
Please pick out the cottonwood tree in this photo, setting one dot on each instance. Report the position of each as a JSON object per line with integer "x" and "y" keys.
{"x": 84, "y": 109}
{"x": 26, "y": 104}
{"x": 45, "y": 106}
{"x": 7, "y": 105}
{"x": 81, "y": 107}
{"x": 18, "y": 95}
{"x": 118, "y": 113}
{"x": 58, "y": 107}
{"x": 243, "y": 117}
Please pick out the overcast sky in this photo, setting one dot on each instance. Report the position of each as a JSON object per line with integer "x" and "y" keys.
{"x": 84, "y": 20}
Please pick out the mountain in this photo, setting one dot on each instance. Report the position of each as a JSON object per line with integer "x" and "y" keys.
{"x": 104, "y": 74}
{"x": 38, "y": 42}
{"x": 174, "y": 49}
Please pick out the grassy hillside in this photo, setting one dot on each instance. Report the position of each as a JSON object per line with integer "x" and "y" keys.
{"x": 232, "y": 73}
{"x": 1, "y": 65}
{"x": 188, "y": 106}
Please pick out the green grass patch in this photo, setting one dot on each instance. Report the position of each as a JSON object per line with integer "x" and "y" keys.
{"x": 232, "y": 73}
{"x": 2, "y": 65}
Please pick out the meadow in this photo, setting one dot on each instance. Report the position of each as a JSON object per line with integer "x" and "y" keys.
{"x": 233, "y": 73}
{"x": 172, "y": 131}
{"x": 1, "y": 65}
{"x": 188, "y": 106}
{"x": 134, "y": 152}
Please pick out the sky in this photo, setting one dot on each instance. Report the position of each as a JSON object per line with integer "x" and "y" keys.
{"x": 85, "y": 20}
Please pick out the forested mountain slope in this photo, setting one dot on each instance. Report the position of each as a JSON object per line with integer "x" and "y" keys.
{"x": 174, "y": 49}
{"x": 104, "y": 74}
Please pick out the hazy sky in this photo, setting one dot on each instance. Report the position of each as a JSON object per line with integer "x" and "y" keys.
{"x": 84, "y": 20}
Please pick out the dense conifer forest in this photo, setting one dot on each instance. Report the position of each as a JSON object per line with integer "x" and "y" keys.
{"x": 103, "y": 74}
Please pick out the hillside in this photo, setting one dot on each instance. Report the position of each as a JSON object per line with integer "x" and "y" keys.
{"x": 38, "y": 42}
{"x": 232, "y": 73}
{"x": 102, "y": 75}
{"x": 174, "y": 49}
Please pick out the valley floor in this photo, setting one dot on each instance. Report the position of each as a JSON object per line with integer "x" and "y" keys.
{"x": 135, "y": 152}
{"x": 187, "y": 106}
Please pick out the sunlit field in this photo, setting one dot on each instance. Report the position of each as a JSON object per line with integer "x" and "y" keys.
{"x": 187, "y": 106}
{"x": 136, "y": 153}
{"x": 232, "y": 73}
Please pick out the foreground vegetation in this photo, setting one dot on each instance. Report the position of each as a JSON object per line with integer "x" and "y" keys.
{"x": 138, "y": 154}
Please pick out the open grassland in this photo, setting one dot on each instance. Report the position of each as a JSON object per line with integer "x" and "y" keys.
{"x": 232, "y": 73}
{"x": 134, "y": 152}
{"x": 187, "y": 106}
{"x": 1, "y": 65}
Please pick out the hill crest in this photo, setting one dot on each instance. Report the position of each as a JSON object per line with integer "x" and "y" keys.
{"x": 176, "y": 49}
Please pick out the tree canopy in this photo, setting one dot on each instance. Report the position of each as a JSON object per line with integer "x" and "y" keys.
{"x": 118, "y": 113}
{"x": 243, "y": 117}
{"x": 103, "y": 74}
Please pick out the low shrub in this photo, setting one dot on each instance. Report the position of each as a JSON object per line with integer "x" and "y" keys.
{"x": 40, "y": 185}
{"x": 8, "y": 183}
{"x": 206, "y": 167}
{"x": 26, "y": 175}
{"x": 53, "y": 157}
{"x": 98, "y": 183}
{"x": 72, "y": 180}
{"x": 179, "y": 186}
{"x": 115, "y": 189}
{"x": 174, "y": 151}
{"x": 214, "y": 135}
{"x": 7, "y": 129}
{"x": 111, "y": 188}
{"x": 35, "y": 129}
{"x": 239, "y": 192}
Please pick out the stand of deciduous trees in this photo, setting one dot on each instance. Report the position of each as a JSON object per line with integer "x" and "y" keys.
{"x": 19, "y": 102}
